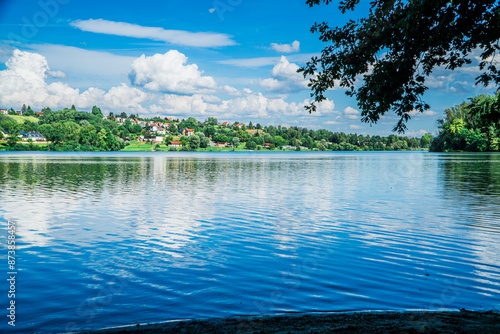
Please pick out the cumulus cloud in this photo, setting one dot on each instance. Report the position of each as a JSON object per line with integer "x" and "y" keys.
{"x": 326, "y": 107}
{"x": 251, "y": 105}
{"x": 284, "y": 78}
{"x": 416, "y": 133}
{"x": 267, "y": 61}
{"x": 178, "y": 37}
{"x": 231, "y": 90}
{"x": 286, "y": 48}
{"x": 355, "y": 127}
{"x": 168, "y": 73}
{"x": 351, "y": 113}
{"x": 211, "y": 10}
{"x": 24, "y": 81}
{"x": 98, "y": 65}
{"x": 331, "y": 123}
{"x": 415, "y": 112}
{"x": 56, "y": 74}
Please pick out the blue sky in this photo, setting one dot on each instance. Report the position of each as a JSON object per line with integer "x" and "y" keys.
{"x": 230, "y": 59}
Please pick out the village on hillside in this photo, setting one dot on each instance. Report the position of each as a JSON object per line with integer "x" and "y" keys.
{"x": 73, "y": 130}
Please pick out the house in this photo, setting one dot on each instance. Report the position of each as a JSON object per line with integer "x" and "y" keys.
{"x": 5, "y": 133}
{"x": 188, "y": 132}
{"x": 157, "y": 139}
{"x": 239, "y": 125}
{"x": 153, "y": 128}
{"x": 174, "y": 143}
{"x": 161, "y": 131}
{"x": 266, "y": 145}
{"x": 4, "y": 112}
{"x": 39, "y": 113}
{"x": 35, "y": 136}
{"x": 289, "y": 147}
{"x": 225, "y": 123}
{"x": 223, "y": 145}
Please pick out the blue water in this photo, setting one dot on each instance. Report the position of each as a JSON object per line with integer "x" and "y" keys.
{"x": 123, "y": 238}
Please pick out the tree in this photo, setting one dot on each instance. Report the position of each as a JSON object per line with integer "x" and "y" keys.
{"x": 136, "y": 128}
{"x": 425, "y": 141}
{"x": 12, "y": 140}
{"x": 29, "y": 112}
{"x": 396, "y": 48}
{"x": 279, "y": 141}
{"x": 322, "y": 145}
{"x": 23, "y": 109}
{"x": 73, "y": 107}
{"x": 97, "y": 111}
{"x": 251, "y": 145}
{"x": 123, "y": 115}
{"x": 194, "y": 142}
{"x": 235, "y": 142}
{"x": 212, "y": 121}
{"x": 204, "y": 141}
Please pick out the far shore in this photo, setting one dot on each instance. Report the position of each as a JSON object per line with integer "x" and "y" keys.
{"x": 342, "y": 322}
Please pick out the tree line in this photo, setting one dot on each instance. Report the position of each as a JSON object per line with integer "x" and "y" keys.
{"x": 72, "y": 130}
{"x": 67, "y": 130}
{"x": 471, "y": 126}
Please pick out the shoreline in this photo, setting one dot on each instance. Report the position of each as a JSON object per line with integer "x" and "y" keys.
{"x": 336, "y": 322}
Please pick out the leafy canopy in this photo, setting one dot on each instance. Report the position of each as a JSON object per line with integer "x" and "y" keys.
{"x": 396, "y": 48}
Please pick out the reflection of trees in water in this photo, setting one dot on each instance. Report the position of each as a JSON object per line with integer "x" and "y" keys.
{"x": 96, "y": 174}
{"x": 69, "y": 175}
{"x": 471, "y": 184}
{"x": 464, "y": 174}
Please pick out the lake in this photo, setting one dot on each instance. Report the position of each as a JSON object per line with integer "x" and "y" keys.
{"x": 108, "y": 239}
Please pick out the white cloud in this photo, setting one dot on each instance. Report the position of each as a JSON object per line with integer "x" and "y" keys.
{"x": 57, "y": 74}
{"x": 355, "y": 127}
{"x": 326, "y": 107}
{"x": 418, "y": 133}
{"x": 178, "y": 37}
{"x": 24, "y": 81}
{"x": 91, "y": 67}
{"x": 211, "y": 10}
{"x": 125, "y": 97}
{"x": 267, "y": 61}
{"x": 351, "y": 113}
{"x": 231, "y": 90}
{"x": 286, "y": 48}
{"x": 415, "y": 112}
{"x": 331, "y": 123}
{"x": 168, "y": 73}
{"x": 284, "y": 78}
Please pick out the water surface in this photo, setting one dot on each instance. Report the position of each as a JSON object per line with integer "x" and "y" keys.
{"x": 121, "y": 238}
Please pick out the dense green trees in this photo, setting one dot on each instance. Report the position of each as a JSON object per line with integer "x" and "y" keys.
{"x": 471, "y": 126}
{"x": 68, "y": 130}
